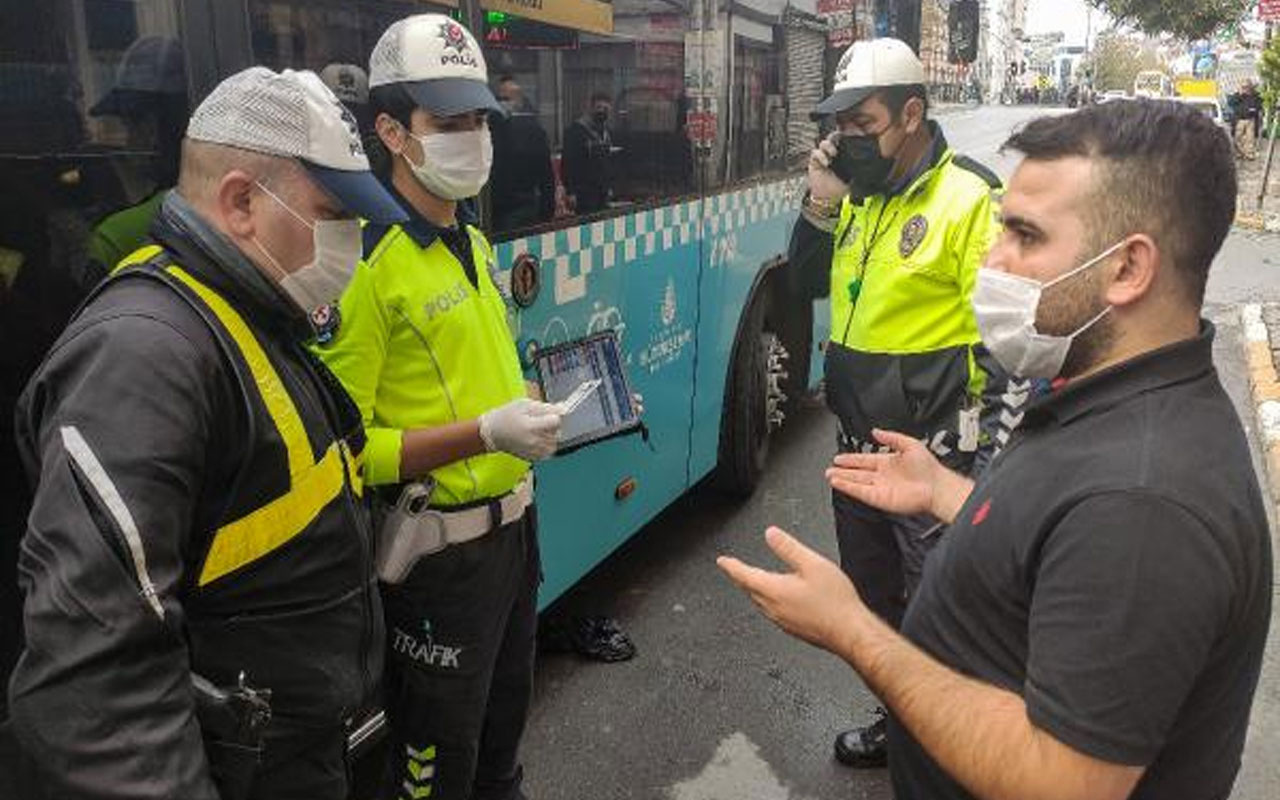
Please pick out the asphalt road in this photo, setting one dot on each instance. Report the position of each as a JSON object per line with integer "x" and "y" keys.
{"x": 719, "y": 705}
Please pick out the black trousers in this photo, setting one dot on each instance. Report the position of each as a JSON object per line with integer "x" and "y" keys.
{"x": 883, "y": 554}
{"x": 459, "y": 675}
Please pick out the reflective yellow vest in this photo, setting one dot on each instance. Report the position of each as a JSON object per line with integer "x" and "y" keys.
{"x": 419, "y": 346}
{"x": 314, "y": 483}
{"x": 904, "y": 266}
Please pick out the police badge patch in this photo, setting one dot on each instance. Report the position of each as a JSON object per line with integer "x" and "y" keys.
{"x": 454, "y": 38}
{"x": 912, "y": 235}
{"x": 325, "y": 320}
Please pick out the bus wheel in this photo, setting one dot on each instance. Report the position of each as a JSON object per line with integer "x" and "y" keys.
{"x": 753, "y": 401}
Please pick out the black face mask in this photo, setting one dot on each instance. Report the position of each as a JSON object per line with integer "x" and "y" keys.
{"x": 859, "y": 163}
{"x": 600, "y": 116}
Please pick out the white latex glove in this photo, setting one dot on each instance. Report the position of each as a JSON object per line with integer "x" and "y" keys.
{"x": 524, "y": 428}
{"x": 823, "y": 183}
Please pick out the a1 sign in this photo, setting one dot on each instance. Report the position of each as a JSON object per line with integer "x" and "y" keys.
{"x": 1269, "y": 10}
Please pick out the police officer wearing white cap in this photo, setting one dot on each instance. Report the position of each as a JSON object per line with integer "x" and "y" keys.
{"x": 894, "y": 227}
{"x": 426, "y": 353}
{"x": 197, "y": 530}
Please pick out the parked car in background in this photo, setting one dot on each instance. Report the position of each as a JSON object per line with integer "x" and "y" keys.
{"x": 1210, "y": 107}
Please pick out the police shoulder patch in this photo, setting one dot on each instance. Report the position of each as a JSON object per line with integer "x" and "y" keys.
{"x": 970, "y": 165}
{"x": 326, "y": 320}
{"x": 913, "y": 233}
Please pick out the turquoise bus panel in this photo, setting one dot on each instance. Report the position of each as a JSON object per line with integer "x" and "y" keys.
{"x": 673, "y": 282}
{"x": 745, "y": 230}
{"x": 636, "y": 274}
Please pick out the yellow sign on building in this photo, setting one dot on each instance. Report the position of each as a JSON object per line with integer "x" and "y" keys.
{"x": 1193, "y": 87}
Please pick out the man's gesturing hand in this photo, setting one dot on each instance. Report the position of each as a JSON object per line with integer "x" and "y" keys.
{"x": 812, "y": 602}
{"x": 907, "y": 480}
{"x": 901, "y": 481}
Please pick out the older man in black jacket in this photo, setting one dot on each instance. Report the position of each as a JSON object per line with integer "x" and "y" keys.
{"x": 197, "y": 518}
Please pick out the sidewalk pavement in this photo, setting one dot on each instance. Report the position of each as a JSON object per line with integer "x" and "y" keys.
{"x": 1249, "y": 176}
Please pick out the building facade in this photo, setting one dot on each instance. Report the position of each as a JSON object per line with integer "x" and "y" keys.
{"x": 946, "y": 80}
{"x": 1003, "y": 23}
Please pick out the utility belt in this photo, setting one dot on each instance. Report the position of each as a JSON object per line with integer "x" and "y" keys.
{"x": 412, "y": 529}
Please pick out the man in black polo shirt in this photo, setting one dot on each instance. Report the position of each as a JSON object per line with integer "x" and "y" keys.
{"x": 1093, "y": 624}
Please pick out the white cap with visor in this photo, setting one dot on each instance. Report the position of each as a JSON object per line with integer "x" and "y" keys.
{"x": 866, "y": 67}
{"x": 294, "y": 115}
{"x": 438, "y": 62}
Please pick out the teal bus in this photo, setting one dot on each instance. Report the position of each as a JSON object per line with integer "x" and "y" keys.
{"x": 645, "y": 183}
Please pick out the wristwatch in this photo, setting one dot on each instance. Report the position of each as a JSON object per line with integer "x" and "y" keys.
{"x": 821, "y": 208}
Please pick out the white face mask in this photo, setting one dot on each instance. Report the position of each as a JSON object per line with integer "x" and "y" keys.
{"x": 338, "y": 246}
{"x": 1005, "y": 307}
{"x": 455, "y": 165}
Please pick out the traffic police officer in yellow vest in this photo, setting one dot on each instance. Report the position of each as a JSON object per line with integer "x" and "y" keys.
{"x": 898, "y": 224}
{"x": 424, "y": 348}
{"x": 197, "y": 517}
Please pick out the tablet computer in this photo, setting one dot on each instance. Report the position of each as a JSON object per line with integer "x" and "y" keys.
{"x": 587, "y": 379}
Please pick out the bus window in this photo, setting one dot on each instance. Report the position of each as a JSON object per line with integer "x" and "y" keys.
{"x": 622, "y": 143}
{"x": 305, "y": 34}
{"x": 759, "y": 117}
{"x": 96, "y": 106}
{"x": 522, "y": 185}
{"x": 90, "y": 135}
{"x": 94, "y": 111}
{"x": 334, "y": 40}
{"x": 598, "y": 121}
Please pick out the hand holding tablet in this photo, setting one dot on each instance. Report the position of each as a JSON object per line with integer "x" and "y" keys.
{"x": 586, "y": 382}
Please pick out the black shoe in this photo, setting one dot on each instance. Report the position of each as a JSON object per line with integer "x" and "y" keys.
{"x": 865, "y": 747}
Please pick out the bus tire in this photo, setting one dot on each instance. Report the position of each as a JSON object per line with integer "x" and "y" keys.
{"x": 745, "y": 425}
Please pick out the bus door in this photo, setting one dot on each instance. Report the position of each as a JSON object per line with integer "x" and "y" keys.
{"x": 606, "y": 238}
{"x": 752, "y": 132}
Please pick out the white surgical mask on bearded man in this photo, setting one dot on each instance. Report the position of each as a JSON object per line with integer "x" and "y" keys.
{"x": 1005, "y": 307}
{"x": 455, "y": 165}
{"x": 338, "y": 246}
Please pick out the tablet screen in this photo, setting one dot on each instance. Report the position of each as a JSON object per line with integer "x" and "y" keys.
{"x": 606, "y": 409}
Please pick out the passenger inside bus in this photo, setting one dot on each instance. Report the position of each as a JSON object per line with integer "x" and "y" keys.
{"x": 523, "y": 186}
{"x": 588, "y": 155}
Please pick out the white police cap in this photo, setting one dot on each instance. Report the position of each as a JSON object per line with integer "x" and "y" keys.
{"x": 867, "y": 66}
{"x": 438, "y": 62}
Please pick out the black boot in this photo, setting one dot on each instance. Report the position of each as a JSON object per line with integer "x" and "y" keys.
{"x": 865, "y": 747}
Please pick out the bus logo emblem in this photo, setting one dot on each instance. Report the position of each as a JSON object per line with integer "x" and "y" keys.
{"x": 669, "y": 304}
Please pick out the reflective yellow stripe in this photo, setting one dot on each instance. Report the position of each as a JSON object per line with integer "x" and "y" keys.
{"x": 313, "y": 484}
{"x": 279, "y": 405}
{"x": 356, "y": 465}
{"x": 262, "y": 531}
{"x": 140, "y": 256}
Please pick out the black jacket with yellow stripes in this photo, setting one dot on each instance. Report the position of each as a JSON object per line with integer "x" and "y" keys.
{"x": 196, "y": 510}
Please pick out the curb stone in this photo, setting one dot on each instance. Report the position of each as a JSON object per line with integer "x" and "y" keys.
{"x": 1259, "y": 321}
{"x": 1269, "y": 223}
